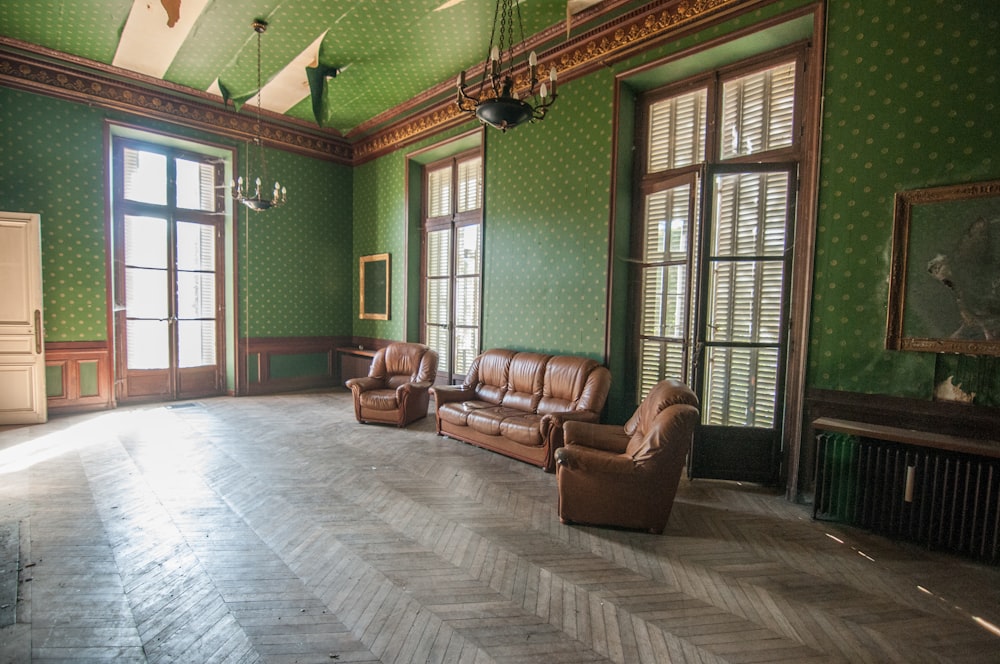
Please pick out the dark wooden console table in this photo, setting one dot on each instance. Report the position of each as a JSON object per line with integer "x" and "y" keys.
{"x": 353, "y": 362}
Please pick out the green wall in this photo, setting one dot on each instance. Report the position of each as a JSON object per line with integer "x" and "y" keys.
{"x": 300, "y": 254}
{"x": 546, "y": 226}
{"x": 52, "y": 162}
{"x": 380, "y": 227}
{"x": 909, "y": 102}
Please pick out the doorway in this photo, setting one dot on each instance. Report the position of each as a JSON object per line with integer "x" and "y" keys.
{"x": 168, "y": 240}
{"x": 22, "y": 343}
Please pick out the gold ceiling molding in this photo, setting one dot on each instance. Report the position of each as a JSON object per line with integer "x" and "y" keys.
{"x": 612, "y": 41}
{"x": 59, "y": 78}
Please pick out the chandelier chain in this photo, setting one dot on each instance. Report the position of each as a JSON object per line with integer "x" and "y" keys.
{"x": 242, "y": 188}
{"x": 501, "y": 101}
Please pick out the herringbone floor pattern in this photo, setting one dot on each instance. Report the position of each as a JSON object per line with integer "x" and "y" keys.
{"x": 277, "y": 529}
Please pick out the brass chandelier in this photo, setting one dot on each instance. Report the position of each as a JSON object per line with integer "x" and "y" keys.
{"x": 257, "y": 202}
{"x": 498, "y": 102}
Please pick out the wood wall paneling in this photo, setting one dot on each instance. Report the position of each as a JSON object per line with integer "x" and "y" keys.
{"x": 83, "y": 372}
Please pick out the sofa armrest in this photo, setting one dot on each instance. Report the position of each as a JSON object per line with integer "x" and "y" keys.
{"x": 451, "y": 393}
{"x": 556, "y": 420}
{"x": 587, "y": 459}
{"x": 415, "y": 386}
{"x": 551, "y": 430}
{"x": 606, "y": 437}
{"x": 363, "y": 384}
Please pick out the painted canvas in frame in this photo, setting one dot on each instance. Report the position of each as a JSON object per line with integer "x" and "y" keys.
{"x": 944, "y": 282}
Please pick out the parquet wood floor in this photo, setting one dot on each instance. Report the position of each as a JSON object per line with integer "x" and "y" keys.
{"x": 277, "y": 529}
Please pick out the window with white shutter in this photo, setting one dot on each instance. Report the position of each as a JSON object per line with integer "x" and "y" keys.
{"x": 452, "y": 262}
{"x": 711, "y": 269}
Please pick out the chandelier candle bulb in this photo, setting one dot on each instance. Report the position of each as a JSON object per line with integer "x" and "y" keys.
{"x": 497, "y": 102}
{"x": 257, "y": 203}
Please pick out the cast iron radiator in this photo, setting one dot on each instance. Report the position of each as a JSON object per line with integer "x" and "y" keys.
{"x": 947, "y": 500}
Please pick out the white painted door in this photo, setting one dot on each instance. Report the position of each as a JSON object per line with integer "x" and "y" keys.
{"x": 22, "y": 344}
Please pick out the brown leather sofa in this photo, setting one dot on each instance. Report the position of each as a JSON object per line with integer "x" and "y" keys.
{"x": 395, "y": 391}
{"x": 515, "y": 403}
{"x": 627, "y": 477}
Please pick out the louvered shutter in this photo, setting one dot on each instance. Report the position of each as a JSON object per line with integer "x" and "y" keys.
{"x": 470, "y": 184}
{"x": 758, "y": 112}
{"x": 144, "y": 176}
{"x": 468, "y": 261}
{"x": 677, "y": 131}
{"x": 745, "y": 298}
{"x": 665, "y": 297}
{"x": 453, "y": 262}
{"x": 439, "y": 192}
{"x": 196, "y": 188}
{"x": 437, "y": 304}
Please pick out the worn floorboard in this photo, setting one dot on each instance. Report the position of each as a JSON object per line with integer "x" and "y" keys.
{"x": 277, "y": 529}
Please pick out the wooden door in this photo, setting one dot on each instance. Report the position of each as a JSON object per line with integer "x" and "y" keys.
{"x": 22, "y": 343}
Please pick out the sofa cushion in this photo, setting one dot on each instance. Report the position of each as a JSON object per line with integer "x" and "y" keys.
{"x": 524, "y": 381}
{"x": 488, "y": 420}
{"x": 564, "y": 380}
{"x": 523, "y": 429}
{"x": 458, "y": 413}
{"x": 379, "y": 399}
{"x": 489, "y": 373}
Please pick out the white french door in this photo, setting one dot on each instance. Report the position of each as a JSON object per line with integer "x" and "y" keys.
{"x": 22, "y": 341}
{"x": 169, "y": 279}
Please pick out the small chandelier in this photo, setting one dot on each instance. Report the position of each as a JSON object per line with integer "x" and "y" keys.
{"x": 498, "y": 103}
{"x": 240, "y": 187}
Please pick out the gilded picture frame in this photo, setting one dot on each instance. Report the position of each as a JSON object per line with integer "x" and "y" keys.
{"x": 944, "y": 279}
{"x": 375, "y": 283}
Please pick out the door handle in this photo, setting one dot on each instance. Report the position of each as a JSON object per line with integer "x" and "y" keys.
{"x": 38, "y": 331}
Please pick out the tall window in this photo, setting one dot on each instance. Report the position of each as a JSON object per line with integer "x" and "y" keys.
{"x": 716, "y": 209}
{"x": 168, "y": 211}
{"x": 452, "y": 261}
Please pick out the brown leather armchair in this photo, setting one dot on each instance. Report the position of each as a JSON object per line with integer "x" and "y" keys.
{"x": 396, "y": 388}
{"x": 627, "y": 477}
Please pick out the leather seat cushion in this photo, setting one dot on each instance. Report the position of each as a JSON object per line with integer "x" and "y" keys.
{"x": 379, "y": 400}
{"x": 458, "y": 413}
{"x": 488, "y": 420}
{"x": 522, "y": 429}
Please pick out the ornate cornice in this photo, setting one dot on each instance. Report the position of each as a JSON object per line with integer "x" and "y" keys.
{"x": 75, "y": 79}
{"x": 611, "y": 42}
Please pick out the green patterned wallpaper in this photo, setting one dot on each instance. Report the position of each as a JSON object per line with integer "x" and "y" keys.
{"x": 51, "y": 155}
{"x": 546, "y": 226}
{"x": 300, "y": 253}
{"x": 909, "y": 102}
{"x": 50, "y": 163}
{"x": 380, "y": 227}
